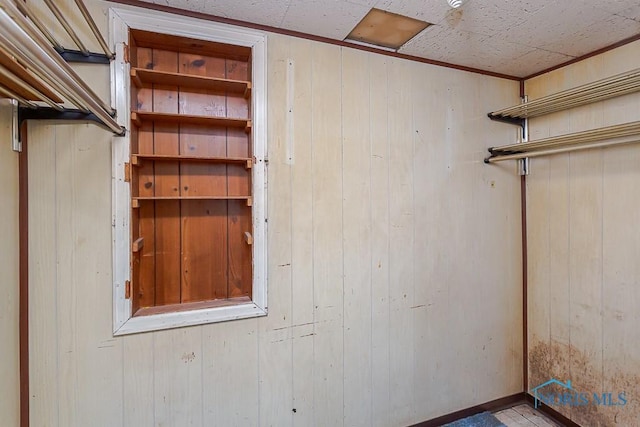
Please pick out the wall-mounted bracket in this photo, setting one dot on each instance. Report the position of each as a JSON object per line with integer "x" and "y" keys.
{"x": 77, "y": 56}
{"x": 16, "y": 144}
{"x": 47, "y": 113}
{"x": 523, "y": 164}
{"x": 506, "y": 119}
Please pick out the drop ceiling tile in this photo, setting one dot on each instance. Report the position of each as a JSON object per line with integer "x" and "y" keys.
{"x": 533, "y": 62}
{"x": 552, "y": 27}
{"x": 612, "y": 6}
{"x": 465, "y": 48}
{"x": 632, "y": 12}
{"x": 610, "y": 30}
{"x": 260, "y": 12}
{"x": 486, "y": 18}
{"x": 432, "y": 11}
{"x": 328, "y": 18}
{"x": 441, "y": 43}
{"x": 496, "y": 35}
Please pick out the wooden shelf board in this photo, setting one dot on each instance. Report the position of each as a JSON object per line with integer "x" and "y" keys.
{"x": 139, "y": 76}
{"x": 154, "y": 40}
{"x": 137, "y": 200}
{"x": 193, "y": 198}
{"x": 135, "y": 159}
{"x": 171, "y": 308}
{"x": 140, "y": 116}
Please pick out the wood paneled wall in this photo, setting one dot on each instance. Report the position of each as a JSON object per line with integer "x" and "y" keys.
{"x": 394, "y": 262}
{"x": 9, "y": 274}
{"x": 584, "y": 246}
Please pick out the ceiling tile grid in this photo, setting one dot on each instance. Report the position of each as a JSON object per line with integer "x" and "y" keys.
{"x": 516, "y": 37}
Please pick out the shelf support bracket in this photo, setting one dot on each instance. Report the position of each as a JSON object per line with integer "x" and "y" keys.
{"x": 505, "y": 119}
{"x": 16, "y": 143}
{"x": 77, "y": 56}
{"x": 48, "y": 113}
{"x": 523, "y": 164}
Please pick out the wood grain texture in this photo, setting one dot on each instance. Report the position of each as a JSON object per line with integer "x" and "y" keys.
{"x": 356, "y": 214}
{"x": 9, "y": 265}
{"x": 238, "y": 183}
{"x": 579, "y": 217}
{"x": 42, "y": 278}
{"x": 204, "y": 272}
{"x": 301, "y": 230}
{"x": 381, "y": 144}
{"x": 401, "y": 243}
{"x": 328, "y": 271}
{"x": 275, "y": 333}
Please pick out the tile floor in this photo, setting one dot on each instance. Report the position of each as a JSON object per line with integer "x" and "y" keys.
{"x": 524, "y": 416}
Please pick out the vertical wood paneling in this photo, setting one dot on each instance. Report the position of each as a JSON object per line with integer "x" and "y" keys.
{"x": 356, "y": 213}
{"x": 43, "y": 286}
{"x": 203, "y": 277}
{"x": 90, "y": 282}
{"x": 239, "y": 183}
{"x": 302, "y": 290}
{"x": 380, "y": 229}
{"x": 328, "y": 284}
{"x": 429, "y": 307}
{"x": 144, "y": 264}
{"x": 167, "y": 184}
{"x": 586, "y": 234}
{"x": 275, "y": 331}
{"x": 178, "y": 366}
{"x": 66, "y": 232}
{"x": 621, "y": 278}
{"x": 230, "y": 357}
{"x": 401, "y": 241}
{"x": 9, "y": 292}
{"x": 138, "y": 372}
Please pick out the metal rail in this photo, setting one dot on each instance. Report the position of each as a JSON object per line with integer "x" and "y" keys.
{"x": 559, "y": 150}
{"x": 626, "y": 133}
{"x": 600, "y": 90}
{"x": 67, "y": 27}
{"x": 94, "y": 29}
{"x": 21, "y": 39}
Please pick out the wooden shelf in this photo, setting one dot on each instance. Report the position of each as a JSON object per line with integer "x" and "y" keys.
{"x": 136, "y": 158}
{"x": 140, "y": 76}
{"x": 141, "y": 116}
{"x": 135, "y": 201}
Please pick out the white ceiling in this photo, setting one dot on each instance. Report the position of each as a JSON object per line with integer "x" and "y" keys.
{"x": 515, "y": 37}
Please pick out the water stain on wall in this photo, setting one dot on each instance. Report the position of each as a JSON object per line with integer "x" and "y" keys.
{"x": 587, "y": 375}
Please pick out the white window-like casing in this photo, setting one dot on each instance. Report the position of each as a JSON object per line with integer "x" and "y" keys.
{"x": 121, "y": 20}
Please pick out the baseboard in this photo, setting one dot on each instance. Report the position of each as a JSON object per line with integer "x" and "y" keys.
{"x": 551, "y": 413}
{"x": 498, "y": 405}
{"x": 493, "y": 406}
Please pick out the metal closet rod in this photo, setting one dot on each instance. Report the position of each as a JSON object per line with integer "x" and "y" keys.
{"x": 595, "y": 91}
{"x": 24, "y": 8}
{"x": 616, "y": 131}
{"x": 11, "y": 94}
{"x": 40, "y": 72}
{"x": 27, "y": 44}
{"x": 63, "y": 21}
{"x": 94, "y": 28}
{"x": 21, "y": 84}
{"x": 559, "y": 150}
{"x": 577, "y": 101}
